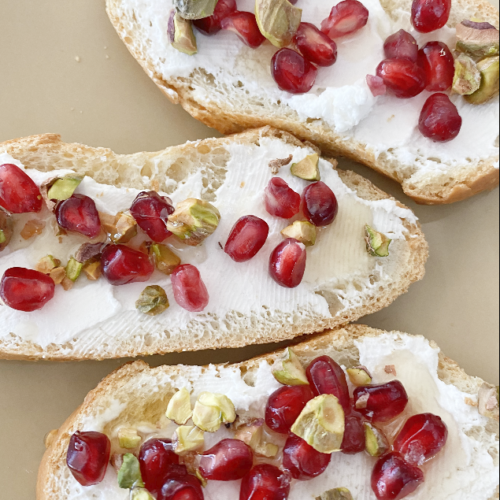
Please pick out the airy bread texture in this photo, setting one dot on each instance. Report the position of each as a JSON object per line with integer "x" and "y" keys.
{"x": 234, "y": 108}
{"x": 166, "y": 170}
{"x": 137, "y": 394}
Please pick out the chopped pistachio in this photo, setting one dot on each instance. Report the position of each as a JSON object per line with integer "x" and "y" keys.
{"x": 129, "y": 438}
{"x": 307, "y": 169}
{"x": 336, "y": 494}
{"x": 92, "y": 270}
{"x": 478, "y": 40}
{"x": 129, "y": 475}
{"x": 359, "y": 376}
{"x": 267, "y": 450}
{"x": 121, "y": 228}
{"x": 181, "y": 34}
{"x": 89, "y": 251}
{"x": 488, "y": 401}
{"x": 153, "y": 301}
{"x": 276, "y": 164}
{"x": 141, "y": 494}
{"x": 179, "y": 407}
{"x": 62, "y": 189}
{"x": 6, "y": 229}
{"x": 67, "y": 284}
{"x": 47, "y": 264}
{"x": 293, "y": 372}
{"x": 3, "y": 238}
{"x": 58, "y": 274}
{"x": 302, "y": 231}
{"x": 195, "y": 9}
{"x": 73, "y": 269}
{"x": 490, "y": 81}
{"x": 166, "y": 260}
{"x": 278, "y": 20}
{"x": 467, "y": 78}
{"x": 377, "y": 244}
{"x": 322, "y": 424}
{"x": 212, "y": 410}
{"x": 253, "y": 435}
{"x": 188, "y": 438}
{"x": 32, "y": 228}
{"x": 376, "y": 443}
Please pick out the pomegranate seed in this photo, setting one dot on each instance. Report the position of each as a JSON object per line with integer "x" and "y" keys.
{"x": 354, "y": 435}
{"x": 345, "y": 18}
{"x": 381, "y": 403}
{"x": 265, "y": 482}
{"x": 246, "y": 239}
{"x": 285, "y": 405}
{"x": 401, "y": 45}
{"x": 18, "y": 193}
{"x": 151, "y": 211}
{"x": 377, "y": 85}
{"x": 229, "y": 460}
{"x": 438, "y": 64}
{"x": 315, "y": 46}
{"x": 430, "y": 15}
{"x": 184, "y": 487}
{"x": 403, "y": 77}
{"x": 320, "y": 204}
{"x": 189, "y": 290}
{"x": 327, "y": 377}
{"x": 281, "y": 200}
{"x": 79, "y": 215}
{"x": 213, "y": 24}
{"x": 292, "y": 72}
{"x": 303, "y": 461}
{"x": 394, "y": 479}
{"x": 122, "y": 265}
{"x": 88, "y": 457}
{"x": 287, "y": 263}
{"x": 421, "y": 439}
{"x": 440, "y": 120}
{"x": 244, "y": 24}
{"x": 26, "y": 290}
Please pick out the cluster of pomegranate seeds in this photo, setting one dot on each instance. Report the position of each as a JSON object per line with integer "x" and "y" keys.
{"x": 320, "y": 204}
{"x": 293, "y": 72}
{"x": 440, "y": 119}
{"x": 303, "y": 461}
{"x": 151, "y": 212}
{"x": 122, "y": 265}
{"x": 345, "y": 18}
{"x": 354, "y": 436}
{"x": 265, "y": 482}
{"x": 402, "y": 77}
{"x": 184, "y": 487}
{"x": 438, "y": 64}
{"x": 88, "y": 457}
{"x": 78, "y": 214}
{"x": 401, "y": 45}
{"x": 26, "y": 290}
{"x": 280, "y": 199}
{"x": 315, "y": 46}
{"x": 18, "y": 193}
{"x": 189, "y": 290}
{"x": 244, "y": 24}
{"x": 430, "y": 15}
{"x": 213, "y": 24}
{"x": 381, "y": 403}
{"x": 229, "y": 460}
{"x": 287, "y": 263}
{"x": 247, "y": 238}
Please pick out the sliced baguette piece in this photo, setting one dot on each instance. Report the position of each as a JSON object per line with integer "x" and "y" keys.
{"x": 166, "y": 171}
{"x": 137, "y": 394}
{"x": 229, "y": 106}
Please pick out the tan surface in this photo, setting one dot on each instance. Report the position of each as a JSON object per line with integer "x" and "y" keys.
{"x": 112, "y": 103}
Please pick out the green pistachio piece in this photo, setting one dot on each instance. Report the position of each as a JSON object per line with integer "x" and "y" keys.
{"x": 73, "y": 269}
{"x": 322, "y": 424}
{"x": 307, "y": 169}
{"x": 212, "y": 410}
{"x": 6, "y": 229}
{"x": 488, "y": 401}
{"x": 467, "y": 78}
{"x": 166, "y": 260}
{"x": 478, "y": 40}
{"x": 278, "y": 20}
{"x": 64, "y": 188}
{"x": 121, "y": 228}
{"x": 129, "y": 438}
{"x": 153, "y": 301}
{"x": 293, "y": 372}
{"x": 336, "y": 494}
{"x": 188, "y": 438}
{"x": 377, "y": 243}
{"x": 129, "y": 475}
{"x": 376, "y": 443}
{"x": 302, "y": 231}
{"x": 181, "y": 34}
{"x": 179, "y": 407}
{"x": 141, "y": 494}
{"x": 195, "y": 9}
{"x": 267, "y": 450}
{"x": 3, "y": 238}
{"x": 359, "y": 376}
{"x": 490, "y": 82}
{"x": 253, "y": 435}
{"x": 47, "y": 264}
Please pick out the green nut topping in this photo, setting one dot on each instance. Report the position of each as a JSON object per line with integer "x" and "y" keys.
{"x": 478, "y": 40}
{"x": 129, "y": 475}
{"x": 359, "y": 376}
{"x": 212, "y": 410}
{"x": 490, "y": 69}
{"x": 195, "y": 9}
{"x": 188, "y": 438}
{"x": 153, "y": 301}
{"x": 166, "y": 260}
{"x": 488, "y": 401}
{"x": 129, "y": 438}
{"x": 73, "y": 269}
{"x": 181, "y": 34}
{"x": 302, "y": 231}
{"x": 253, "y": 436}
{"x": 377, "y": 243}
{"x": 293, "y": 372}
{"x": 179, "y": 408}
{"x": 121, "y": 228}
{"x": 278, "y": 20}
{"x": 336, "y": 494}
{"x": 64, "y": 188}
{"x": 376, "y": 443}
{"x": 467, "y": 78}
{"x": 47, "y": 264}
{"x": 307, "y": 169}
{"x": 3, "y": 238}
{"x": 6, "y": 229}
{"x": 140, "y": 494}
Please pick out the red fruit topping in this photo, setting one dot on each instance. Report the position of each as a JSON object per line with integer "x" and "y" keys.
{"x": 327, "y": 377}
{"x": 377, "y": 85}
{"x": 18, "y": 193}
{"x": 88, "y": 457}
{"x": 421, "y": 439}
{"x": 430, "y": 15}
{"x": 401, "y": 45}
{"x": 244, "y": 24}
{"x": 381, "y": 403}
{"x": 26, "y": 290}
{"x": 287, "y": 264}
{"x": 213, "y": 24}
{"x": 181, "y": 488}
{"x": 292, "y": 72}
{"x": 403, "y": 77}
{"x": 315, "y": 46}
{"x": 438, "y": 64}
{"x": 122, "y": 265}
{"x": 229, "y": 460}
{"x": 151, "y": 211}
{"x": 302, "y": 460}
{"x": 79, "y": 215}
{"x": 320, "y": 204}
{"x": 345, "y": 18}
{"x": 246, "y": 239}
{"x": 440, "y": 120}
{"x": 265, "y": 482}
{"x": 281, "y": 200}
{"x": 354, "y": 436}
{"x": 189, "y": 290}
{"x": 394, "y": 479}
{"x": 285, "y": 406}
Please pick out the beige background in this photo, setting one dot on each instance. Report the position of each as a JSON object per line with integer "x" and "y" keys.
{"x": 64, "y": 70}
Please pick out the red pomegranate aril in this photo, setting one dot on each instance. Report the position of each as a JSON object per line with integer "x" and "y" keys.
{"x": 285, "y": 406}
{"x": 213, "y": 24}
{"x": 293, "y": 72}
{"x": 403, "y": 78}
{"x": 122, "y": 265}
{"x": 394, "y": 479}
{"x": 78, "y": 214}
{"x": 18, "y": 193}
{"x": 401, "y": 45}
{"x": 244, "y": 24}
{"x": 354, "y": 435}
{"x": 438, "y": 64}
{"x": 440, "y": 120}
{"x": 181, "y": 488}
{"x": 327, "y": 377}
{"x": 422, "y": 438}
{"x": 345, "y": 18}
{"x": 430, "y": 15}
{"x": 189, "y": 290}
{"x": 287, "y": 263}
{"x": 151, "y": 211}
{"x": 247, "y": 238}
{"x": 280, "y": 199}
{"x": 320, "y": 204}
{"x": 303, "y": 461}
{"x": 377, "y": 85}
{"x": 88, "y": 457}
{"x": 265, "y": 482}
{"x": 315, "y": 46}
{"x": 381, "y": 403}
{"x": 26, "y": 290}
{"x": 229, "y": 460}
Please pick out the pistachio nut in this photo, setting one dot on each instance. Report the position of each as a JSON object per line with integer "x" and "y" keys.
{"x": 302, "y": 231}
{"x": 359, "y": 376}
{"x": 336, "y": 494}
{"x": 293, "y": 372}
{"x": 488, "y": 401}
{"x": 58, "y": 275}
{"x": 188, "y": 438}
{"x": 129, "y": 475}
{"x": 212, "y": 410}
{"x": 267, "y": 450}
{"x": 490, "y": 82}
{"x": 129, "y": 438}
{"x": 92, "y": 270}
{"x": 153, "y": 301}
{"x": 140, "y": 494}
{"x": 166, "y": 260}
{"x": 278, "y": 20}
{"x": 376, "y": 442}
{"x": 73, "y": 269}
{"x": 47, "y": 264}
{"x": 6, "y": 229}
{"x": 253, "y": 435}
{"x": 89, "y": 251}
{"x": 307, "y": 169}
{"x": 181, "y": 34}
{"x": 195, "y": 9}
{"x": 467, "y": 79}
{"x": 179, "y": 408}
{"x": 64, "y": 188}
{"x": 121, "y": 228}
{"x": 478, "y": 40}
{"x": 377, "y": 244}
